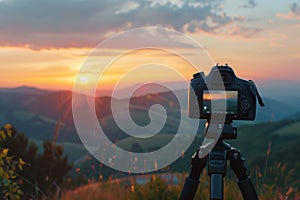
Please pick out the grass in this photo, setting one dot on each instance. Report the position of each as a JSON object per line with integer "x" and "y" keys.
{"x": 157, "y": 188}
{"x": 273, "y": 182}
{"x": 99, "y": 191}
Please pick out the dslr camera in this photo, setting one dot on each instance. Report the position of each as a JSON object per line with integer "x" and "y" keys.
{"x": 222, "y": 93}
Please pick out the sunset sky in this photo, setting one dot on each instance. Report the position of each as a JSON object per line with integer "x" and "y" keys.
{"x": 44, "y": 43}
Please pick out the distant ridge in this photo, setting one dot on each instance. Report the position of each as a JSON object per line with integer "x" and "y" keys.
{"x": 26, "y": 90}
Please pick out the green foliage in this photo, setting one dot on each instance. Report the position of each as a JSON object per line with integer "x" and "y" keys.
{"x": 9, "y": 182}
{"x": 42, "y": 174}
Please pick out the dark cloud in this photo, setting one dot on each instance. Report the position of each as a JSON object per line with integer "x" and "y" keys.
{"x": 55, "y": 23}
{"x": 84, "y": 23}
{"x": 250, "y": 4}
{"x": 295, "y": 9}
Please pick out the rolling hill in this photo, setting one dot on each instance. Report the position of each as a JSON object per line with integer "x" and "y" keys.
{"x": 48, "y": 114}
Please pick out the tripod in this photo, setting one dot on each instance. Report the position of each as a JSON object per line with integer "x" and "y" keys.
{"x": 217, "y": 164}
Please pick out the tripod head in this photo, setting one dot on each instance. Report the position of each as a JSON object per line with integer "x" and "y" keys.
{"x": 214, "y": 134}
{"x": 219, "y": 131}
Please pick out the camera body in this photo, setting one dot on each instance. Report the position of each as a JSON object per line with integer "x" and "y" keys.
{"x": 222, "y": 93}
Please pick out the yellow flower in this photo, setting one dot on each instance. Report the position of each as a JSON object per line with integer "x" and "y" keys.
{"x": 9, "y": 133}
{"x": 22, "y": 162}
{"x": 2, "y": 134}
{"x": 4, "y": 152}
{"x": 7, "y": 126}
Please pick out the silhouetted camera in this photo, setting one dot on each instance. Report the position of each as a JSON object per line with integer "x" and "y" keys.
{"x": 222, "y": 93}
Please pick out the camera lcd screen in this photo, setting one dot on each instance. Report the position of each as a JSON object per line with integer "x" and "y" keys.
{"x": 214, "y": 102}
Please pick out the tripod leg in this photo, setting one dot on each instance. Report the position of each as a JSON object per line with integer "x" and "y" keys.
{"x": 217, "y": 170}
{"x": 238, "y": 165}
{"x": 192, "y": 181}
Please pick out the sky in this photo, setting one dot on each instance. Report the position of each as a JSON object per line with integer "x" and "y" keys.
{"x": 45, "y": 43}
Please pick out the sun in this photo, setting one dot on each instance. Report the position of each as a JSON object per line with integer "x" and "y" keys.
{"x": 84, "y": 80}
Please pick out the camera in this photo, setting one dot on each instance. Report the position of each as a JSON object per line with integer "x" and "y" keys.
{"x": 222, "y": 93}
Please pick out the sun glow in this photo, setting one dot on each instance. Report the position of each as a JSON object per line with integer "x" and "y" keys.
{"x": 84, "y": 80}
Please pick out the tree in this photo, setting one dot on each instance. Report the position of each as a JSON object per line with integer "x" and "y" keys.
{"x": 9, "y": 184}
{"x": 52, "y": 167}
{"x": 43, "y": 173}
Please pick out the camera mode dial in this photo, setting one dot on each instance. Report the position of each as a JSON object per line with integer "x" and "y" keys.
{"x": 245, "y": 104}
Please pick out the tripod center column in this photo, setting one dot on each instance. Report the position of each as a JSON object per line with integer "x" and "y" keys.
{"x": 217, "y": 170}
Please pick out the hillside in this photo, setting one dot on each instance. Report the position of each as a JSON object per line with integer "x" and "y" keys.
{"x": 282, "y": 138}
{"x": 45, "y": 115}
{"x": 48, "y": 114}
{"x": 271, "y": 145}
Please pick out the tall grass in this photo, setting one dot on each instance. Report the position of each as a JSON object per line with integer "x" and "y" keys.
{"x": 157, "y": 188}
{"x": 101, "y": 191}
{"x": 272, "y": 182}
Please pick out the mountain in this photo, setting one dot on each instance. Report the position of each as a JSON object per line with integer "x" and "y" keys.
{"x": 48, "y": 114}
{"x": 40, "y": 115}
{"x": 25, "y": 90}
{"x": 293, "y": 101}
{"x": 274, "y": 110}
{"x": 279, "y": 89}
{"x": 142, "y": 89}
